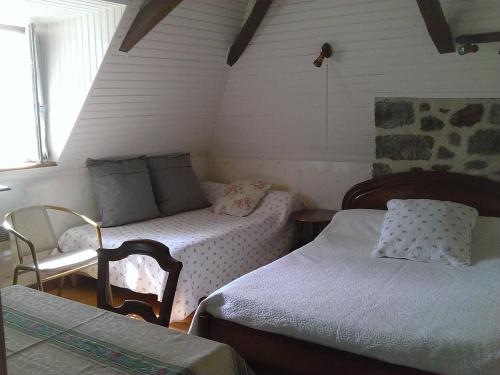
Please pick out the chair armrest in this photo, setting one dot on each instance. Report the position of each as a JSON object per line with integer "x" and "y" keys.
{"x": 9, "y": 228}
{"x": 96, "y": 226}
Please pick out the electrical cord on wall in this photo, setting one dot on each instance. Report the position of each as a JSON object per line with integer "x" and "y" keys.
{"x": 326, "y": 108}
{"x": 326, "y": 53}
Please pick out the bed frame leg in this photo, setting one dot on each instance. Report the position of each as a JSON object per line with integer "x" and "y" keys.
{"x": 204, "y": 325}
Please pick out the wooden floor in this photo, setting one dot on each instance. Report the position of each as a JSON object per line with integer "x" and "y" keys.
{"x": 85, "y": 292}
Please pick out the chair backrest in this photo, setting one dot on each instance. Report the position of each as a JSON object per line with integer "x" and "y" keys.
{"x": 150, "y": 248}
{"x": 33, "y": 223}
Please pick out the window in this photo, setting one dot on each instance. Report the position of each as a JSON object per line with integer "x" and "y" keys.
{"x": 20, "y": 133}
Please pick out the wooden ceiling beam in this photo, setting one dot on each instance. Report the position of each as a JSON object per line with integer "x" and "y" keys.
{"x": 478, "y": 38}
{"x": 438, "y": 28}
{"x": 248, "y": 30}
{"x": 147, "y": 18}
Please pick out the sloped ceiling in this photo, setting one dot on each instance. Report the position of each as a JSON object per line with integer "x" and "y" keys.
{"x": 72, "y": 51}
{"x": 286, "y": 110}
{"x": 173, "y": 91}
{"x": 164, "y": 95}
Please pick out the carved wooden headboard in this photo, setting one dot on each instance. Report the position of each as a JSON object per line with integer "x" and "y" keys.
{"x": 478, "y": 192}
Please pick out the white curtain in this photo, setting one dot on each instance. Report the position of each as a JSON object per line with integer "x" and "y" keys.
{"x": 38, "y": 96}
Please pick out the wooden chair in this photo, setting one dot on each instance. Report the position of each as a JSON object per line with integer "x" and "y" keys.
{"x": 150, "y": 248}
{"x": 34, "y": 238}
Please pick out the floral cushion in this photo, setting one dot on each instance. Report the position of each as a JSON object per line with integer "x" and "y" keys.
{"x": 428, "y": 231}
{"x": 241, "y": 198}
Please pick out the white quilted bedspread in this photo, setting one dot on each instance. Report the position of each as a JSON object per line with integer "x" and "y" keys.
{"x": 214, "y": 249}
{"x": 430, "y": 316}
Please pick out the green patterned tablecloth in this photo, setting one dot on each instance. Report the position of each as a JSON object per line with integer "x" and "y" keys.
{"x": 51, "y": 335}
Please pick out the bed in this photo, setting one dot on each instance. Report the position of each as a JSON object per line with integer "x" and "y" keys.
{"x": 354, "y": 314}
{"x": 214, "y": 249}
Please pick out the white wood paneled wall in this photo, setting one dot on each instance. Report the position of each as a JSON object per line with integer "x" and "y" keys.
{"x": 22, "y": 12}
{"x": 66, "y": 8}
{"x": 164, "y": 95}
{"x": 72, "y": 51}
{"x": 276, "y": 106}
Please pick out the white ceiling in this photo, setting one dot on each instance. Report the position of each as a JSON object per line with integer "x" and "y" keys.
{"x": 21, "y": 12}
{"x": 163, "y": 96}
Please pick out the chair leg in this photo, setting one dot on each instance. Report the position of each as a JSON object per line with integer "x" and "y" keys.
{"x": 110, "y": 295}
{"x": 39, "y": 281}
{"x": 16, "y": 275}
{"x": 61, "y": 285}
{"x": 74, "y": 280}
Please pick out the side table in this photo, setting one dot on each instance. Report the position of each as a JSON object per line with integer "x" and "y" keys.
{"x": 316, "y": 219}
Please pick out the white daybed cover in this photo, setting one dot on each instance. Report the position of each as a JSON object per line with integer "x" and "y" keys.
{"x": 214, "y": 249}
{"x": 434, "y": 317}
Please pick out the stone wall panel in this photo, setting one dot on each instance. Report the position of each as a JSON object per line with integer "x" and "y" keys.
{"x": 458, "y": 135}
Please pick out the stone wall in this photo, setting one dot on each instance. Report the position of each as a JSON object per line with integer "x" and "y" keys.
{"x": 458, "y": 135}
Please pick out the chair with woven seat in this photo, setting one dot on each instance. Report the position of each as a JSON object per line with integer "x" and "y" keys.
{"x": 34, "y": 238}
{"x": 161, "y": 254}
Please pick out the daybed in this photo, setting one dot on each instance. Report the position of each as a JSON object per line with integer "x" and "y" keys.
{"x": 331, "y": 308}
{"x": 213, "y": 248}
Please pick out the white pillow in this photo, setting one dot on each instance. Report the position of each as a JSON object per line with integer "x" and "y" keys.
{"x": 241, "y": 198}
{"x": 428, "y": 231}
{"x": 361, "y": 223}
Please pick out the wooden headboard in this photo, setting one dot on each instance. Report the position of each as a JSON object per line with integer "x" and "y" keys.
{"x": 478, "y": 192}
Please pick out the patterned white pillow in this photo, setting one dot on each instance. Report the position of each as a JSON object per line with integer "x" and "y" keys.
{"x": 428, "y": 231}
{"x": 241, "y": 198}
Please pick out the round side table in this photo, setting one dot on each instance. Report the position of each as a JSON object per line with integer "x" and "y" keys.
{"x": 316, "y": 219}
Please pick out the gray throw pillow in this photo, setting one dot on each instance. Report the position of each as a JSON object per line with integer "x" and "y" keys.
{"x": 175, "y": 184}
{"x": 124, "y": 191}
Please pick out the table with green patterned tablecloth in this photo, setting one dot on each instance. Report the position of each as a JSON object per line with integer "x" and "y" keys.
{"x": 47, "y": 335}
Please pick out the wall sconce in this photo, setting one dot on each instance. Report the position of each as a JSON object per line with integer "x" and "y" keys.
{"x": 465, "y": 49}
{"x": 326, "y": 52}
{"x": 469, "y": 43}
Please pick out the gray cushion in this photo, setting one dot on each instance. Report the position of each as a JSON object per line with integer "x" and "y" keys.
{"x": 124, "y": 191}
{"x": 175, "y": 184}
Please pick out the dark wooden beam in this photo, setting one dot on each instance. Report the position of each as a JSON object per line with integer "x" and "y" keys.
{"x": 438, "y": 28}
{"x": 248, "y": 30}
{"x": 147, "y": 18}
{"x": 478, "y": 38}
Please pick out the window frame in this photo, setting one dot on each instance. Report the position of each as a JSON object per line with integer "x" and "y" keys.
{"x": 43, "y": 157}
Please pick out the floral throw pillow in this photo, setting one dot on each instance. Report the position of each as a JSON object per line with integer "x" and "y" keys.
{"x": 241, "y": 198}
{"x": 428, "y": 231}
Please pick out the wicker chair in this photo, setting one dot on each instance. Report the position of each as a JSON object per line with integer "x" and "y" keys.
{"x": 34, "y": 238}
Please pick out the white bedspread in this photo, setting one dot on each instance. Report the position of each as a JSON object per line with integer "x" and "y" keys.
{"x": 434, "y": 317}
{"x": 214, "y": 249}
